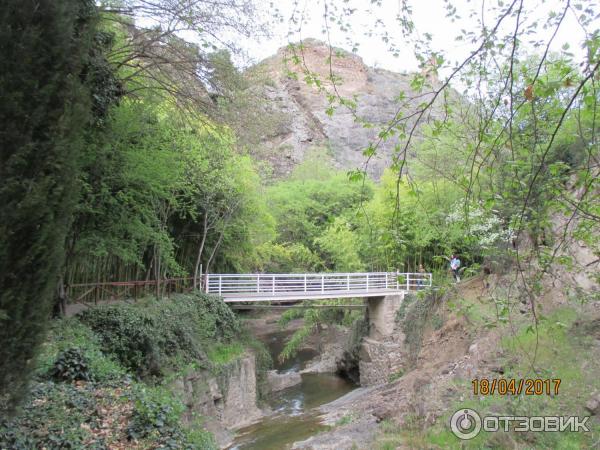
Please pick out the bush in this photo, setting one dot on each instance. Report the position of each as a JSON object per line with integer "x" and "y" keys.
{"x": 151, "y": 337}
{"x": 71, "y": 365}
{"x": 68, "y": 334}
{"x": 129, "y": 334}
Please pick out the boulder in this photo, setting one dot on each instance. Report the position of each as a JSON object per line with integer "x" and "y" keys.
{"x": 593, "y": 404}
{"x": 279, "y": 381}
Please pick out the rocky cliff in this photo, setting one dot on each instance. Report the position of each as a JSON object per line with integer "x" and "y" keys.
{"x": 301, "y": 108}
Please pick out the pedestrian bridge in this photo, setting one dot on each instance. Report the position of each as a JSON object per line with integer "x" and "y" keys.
{"x": 260, "y": 287}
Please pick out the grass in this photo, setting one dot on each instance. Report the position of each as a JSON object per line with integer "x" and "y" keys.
{"x": 222, "y": 354}
{"x": 395, "y": 376}
{"x": 345, "y": 420}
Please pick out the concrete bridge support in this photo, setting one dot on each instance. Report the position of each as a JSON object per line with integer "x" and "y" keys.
{"x": 382, "y": 352}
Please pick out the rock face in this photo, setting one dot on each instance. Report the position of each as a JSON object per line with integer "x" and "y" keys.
{"x": 280, "y": 381}
{"x": 332, "y": 343}
{"x": 302, "y": 108}
{"x": 227, "y": 403}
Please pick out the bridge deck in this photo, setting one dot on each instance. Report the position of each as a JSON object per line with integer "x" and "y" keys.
{"x": 316, "y": 286}
{"x": 295, "y": 296}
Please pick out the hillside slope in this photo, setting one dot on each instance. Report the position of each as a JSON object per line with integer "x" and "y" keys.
{"x": 460, "y": 337}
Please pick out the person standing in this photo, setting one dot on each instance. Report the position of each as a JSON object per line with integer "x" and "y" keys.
{"x": 421, "y": 279}
{"x": 455, "y": 267}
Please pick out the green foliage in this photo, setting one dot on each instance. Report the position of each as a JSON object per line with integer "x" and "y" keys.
{"x": 131, "y": 177}
{"x": 407, "y": 224}
{"x": 395, "y": 376}
{"x": 345, "y": 420}
{"x": 151, "y": 181}
{"x": 96, "y": 416}
{"x": 562, "y": 349}
{"x": 160, "y": 335}
{"x": 437, "y": 322}
{"x": 223, "y": 353}
{"x": 306, "y": 207}
{"x": 314, "y": 318}
{"x": 131, "y": 335}
{"x": 298, "y": 338}
{"x": 288, "y": 258}
{"x": 340, "y": 246}
{"x": 66, "y": 334}
{"x": 71, "y": 365}
{"x": 53, "y": 419}
{"x": 156, "y": 412}
{"x": 156, "y": 419}
{"x": 95, "y": 390}
{"x": 247, "y": 222}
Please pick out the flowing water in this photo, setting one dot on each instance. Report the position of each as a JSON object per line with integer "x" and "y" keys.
{"x": 295, "y": 416}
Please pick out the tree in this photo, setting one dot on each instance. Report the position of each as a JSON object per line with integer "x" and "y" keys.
{"x": 308, "y": 203}
{"x": 340, "y": 245}
{"x": 45, "y": 104}
{"x": 151, "y": 56}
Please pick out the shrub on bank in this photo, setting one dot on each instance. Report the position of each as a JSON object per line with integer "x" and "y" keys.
{"x": 167, "y": 334}
{"x": 71, "y": 365}
{"x": 70, "y": 334}
{"x": 85, "y": 396}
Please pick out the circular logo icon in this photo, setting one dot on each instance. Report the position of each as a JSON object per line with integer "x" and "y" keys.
{"x": 465, "y": 424}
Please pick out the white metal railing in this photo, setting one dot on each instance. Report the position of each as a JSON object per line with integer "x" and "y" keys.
{"x": 313, "y": 283}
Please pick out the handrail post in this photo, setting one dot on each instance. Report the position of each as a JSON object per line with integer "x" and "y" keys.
{"x": 348, "y": 281}
{"x": 322, "y": 284}
{"x": 367, "y": 282}
{"x": 220, "y": 283}
{"x": 408, "y": 281}
{"x": 273, "y": 279}
{"x": 258, "y": 283}
{"x": 430, "y": 280}
{"x": 386, "y": 280}
{"x": 207, "y": 282}
{"x": 304, "y": 282}
{"x": 397, "y": 281}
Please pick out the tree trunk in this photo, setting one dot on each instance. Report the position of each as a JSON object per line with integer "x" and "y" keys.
{"x": 214, "y": 251}
{"x": 200, "y": 251}
{"x": 157, "y": 271}
{"x": 60, "y": 305}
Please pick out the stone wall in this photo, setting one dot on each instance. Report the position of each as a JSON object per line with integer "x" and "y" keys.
{"x": 225, "y": 403}
{"x": 383, "y": 353}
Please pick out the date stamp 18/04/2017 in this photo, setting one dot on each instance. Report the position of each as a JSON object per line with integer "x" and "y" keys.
{"x": 513, "y": 386}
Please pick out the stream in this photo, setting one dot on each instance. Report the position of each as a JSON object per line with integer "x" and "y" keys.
{"x": 295, "y": 415}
